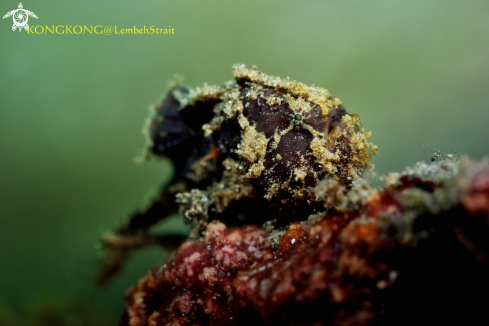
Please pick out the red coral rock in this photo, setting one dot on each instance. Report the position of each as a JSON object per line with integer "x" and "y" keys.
{"x": 476, "y": 199}
{"x": 412, "y": 253}
{"x": 195, "y": 286}
{"x": 291, "y": 238}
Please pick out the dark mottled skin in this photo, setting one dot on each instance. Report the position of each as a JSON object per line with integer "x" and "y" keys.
{"x": 175, "y": 132}
{"x": 267, "y": 118}
{"x": 293, "y": 146}
{"x": 260, "y": 128}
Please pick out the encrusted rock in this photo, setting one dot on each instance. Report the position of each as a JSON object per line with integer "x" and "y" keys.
{"x": 411, "y": 253}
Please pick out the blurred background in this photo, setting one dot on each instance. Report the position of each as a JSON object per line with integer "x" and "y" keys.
{"x": 72, "y": 108}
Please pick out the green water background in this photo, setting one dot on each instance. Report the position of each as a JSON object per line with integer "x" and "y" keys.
{"x": 72, "y": 107}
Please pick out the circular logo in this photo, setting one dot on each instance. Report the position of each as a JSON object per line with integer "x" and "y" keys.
{"x": 20, "y": 17}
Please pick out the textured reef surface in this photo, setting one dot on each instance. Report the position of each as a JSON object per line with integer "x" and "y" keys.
{"x": 411, "y": 253}
{"x": 284, "y": 230}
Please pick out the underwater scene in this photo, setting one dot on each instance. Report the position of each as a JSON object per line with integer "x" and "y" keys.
{"x": 244, "y": 163}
